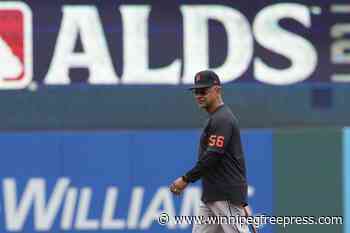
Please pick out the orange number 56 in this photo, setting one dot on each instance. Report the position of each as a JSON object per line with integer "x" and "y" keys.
{"x": 215, "y": 140}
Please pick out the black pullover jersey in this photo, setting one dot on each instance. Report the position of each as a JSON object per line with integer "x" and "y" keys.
{"x": 221, "y": 164}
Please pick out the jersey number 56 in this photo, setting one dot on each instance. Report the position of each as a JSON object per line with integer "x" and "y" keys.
{"x": 215, "y": 140}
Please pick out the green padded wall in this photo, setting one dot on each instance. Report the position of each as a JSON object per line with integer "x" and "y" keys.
{"x": 308, "y": 176}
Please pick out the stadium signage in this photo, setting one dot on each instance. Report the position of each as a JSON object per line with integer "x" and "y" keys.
{"x": 83, "y": 22}
{"x": 71, "y": 208}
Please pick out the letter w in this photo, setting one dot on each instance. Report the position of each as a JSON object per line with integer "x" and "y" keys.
{"x": 35, "y": 192}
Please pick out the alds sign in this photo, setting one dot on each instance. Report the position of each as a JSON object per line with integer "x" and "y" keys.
{"x": 83, "y": 23}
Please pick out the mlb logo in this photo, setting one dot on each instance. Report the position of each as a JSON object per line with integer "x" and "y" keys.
{"x": 16, "y": 56}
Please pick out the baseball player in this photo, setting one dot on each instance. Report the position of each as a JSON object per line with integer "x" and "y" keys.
{"x": 221, "y": 164}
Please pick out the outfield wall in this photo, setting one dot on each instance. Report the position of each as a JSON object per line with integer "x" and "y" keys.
{"x": 71, "y": 176}
{"x": 346, "y": 179}
{"x": 96, "y": 181}
{"x": 308, "y": 164}
{"x": 166, "y": 107}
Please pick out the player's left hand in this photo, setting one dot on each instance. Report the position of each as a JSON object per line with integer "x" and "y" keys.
{"x": 178, "y": 186}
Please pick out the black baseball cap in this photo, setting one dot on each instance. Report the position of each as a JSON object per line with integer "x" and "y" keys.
{"x": 205, "y": 78}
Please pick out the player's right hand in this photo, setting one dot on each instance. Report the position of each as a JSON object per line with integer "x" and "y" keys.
{"x": 174, "y": 189}
{"x": 178, "y": 186}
